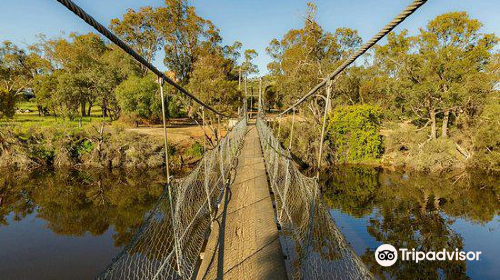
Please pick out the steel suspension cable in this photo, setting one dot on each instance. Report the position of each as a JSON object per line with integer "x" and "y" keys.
{"x": 388, "y": 28}
{"x": 70, "y": 5}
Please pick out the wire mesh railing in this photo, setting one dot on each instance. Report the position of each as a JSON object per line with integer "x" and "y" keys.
{"x": 314, "y": 246}
{"x": 169, "y": 242}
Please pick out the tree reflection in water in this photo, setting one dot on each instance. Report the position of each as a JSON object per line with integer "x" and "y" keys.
{"x": 413, "y": 211}
{"x": 78, "y": 202}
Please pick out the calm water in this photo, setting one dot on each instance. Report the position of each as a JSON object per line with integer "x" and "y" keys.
{"x": 373, "y": 207}
{"x": 69, "y": 225}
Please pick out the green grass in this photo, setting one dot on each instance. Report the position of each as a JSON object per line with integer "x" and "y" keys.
{"x": 32, "y": 118}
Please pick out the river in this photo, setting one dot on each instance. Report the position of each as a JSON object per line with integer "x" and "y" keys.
{"x": 70, "y": 224}
{"x": 426, "y": 212}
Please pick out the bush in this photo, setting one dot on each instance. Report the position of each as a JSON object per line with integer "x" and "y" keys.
{"x": 196, "y": 150}
{"x": 138, "y": 97}
{"x": 486, "y": 140}
{"x": 408, "y": 147}
{"x": 7, "y": 103}
{"x": 353, "y": 132}
{"x": 305, "y": 142}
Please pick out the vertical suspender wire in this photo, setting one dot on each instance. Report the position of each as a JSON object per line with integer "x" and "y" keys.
{"x": 169, "y": 185}
{"x": 291, "y": 131}
{"x": 288, "y": 162}
{"x": 279, "y": 126}
{"x": 221, "y": 150}
{"x": 322, "y": 139}
{"x": 219, "y": 132}
{"x": 207, "y": 190}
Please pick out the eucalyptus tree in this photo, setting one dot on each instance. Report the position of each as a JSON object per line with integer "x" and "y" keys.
{"x": 440, "y": 71}
{"x": 304, "y": 57}
{"x": 140, "y": 30}
{"x": 17, "y": 70}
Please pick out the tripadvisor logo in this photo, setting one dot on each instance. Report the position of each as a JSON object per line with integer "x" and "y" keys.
{"x": 387, "y": 255}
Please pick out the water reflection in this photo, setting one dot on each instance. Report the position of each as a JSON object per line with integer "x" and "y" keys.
{"x": 416, "y": 211}
{"x": 70, "y": 209}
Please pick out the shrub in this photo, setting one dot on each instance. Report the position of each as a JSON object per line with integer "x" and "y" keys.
{"x": 353, "y": 132}
{"x": 486, "y": 140}
{"x": 138, "y": 97}
{"x": 7, "y": 103}
{"x": 196, "y": 150}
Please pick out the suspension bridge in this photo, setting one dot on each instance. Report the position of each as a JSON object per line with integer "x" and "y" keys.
{"x": 245, "y": 211}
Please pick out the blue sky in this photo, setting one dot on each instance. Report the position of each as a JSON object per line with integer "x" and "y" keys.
{"x": 252, "y": 22}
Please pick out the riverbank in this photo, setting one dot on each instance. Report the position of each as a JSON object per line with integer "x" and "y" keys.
{"x": 95, "y": 145}
{"x": 399, "y": 145}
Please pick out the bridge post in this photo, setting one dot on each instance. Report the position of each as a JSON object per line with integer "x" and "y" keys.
{"x": 169, "y": 185}
{"x": 279, "y": 127}
{"x": 205, "y": 167}
{"x": 291, "y": 131}
{"x": 322, "y": 139}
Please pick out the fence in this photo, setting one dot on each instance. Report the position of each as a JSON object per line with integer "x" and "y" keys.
{"x": 314, "y": 246}
{"x": 168, "y": 243}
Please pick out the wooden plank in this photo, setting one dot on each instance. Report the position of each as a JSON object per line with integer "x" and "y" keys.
{"x": 244, "y": 241}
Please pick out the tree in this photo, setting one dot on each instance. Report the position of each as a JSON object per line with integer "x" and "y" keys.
{"x": 304, "y": 57}
{"x": 247, "y": 67}
{"x": 17, "y": 69}
{"x": 140, "y": 30}
{"x": 45, "y": 87}
{"x": 354, "y": 133}
{"x": 184, "y": 33}
{"x": 213, "y": 76}
{"x": 87, "y": 72}
{"x": 112, "y": 69}
{"x": 139, "y": 98}
{"x": 441, "y": 70}
{"x": 210, "y": 81}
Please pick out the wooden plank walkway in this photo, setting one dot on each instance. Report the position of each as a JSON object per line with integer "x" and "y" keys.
{"x": 244, "y": 241}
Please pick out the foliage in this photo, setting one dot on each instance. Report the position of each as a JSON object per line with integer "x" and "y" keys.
{"x": 140, "y": 29}
{"x": 7, "y": 103}
{"x": 305, "y": 141}
{"x": 140, "y": 97}
{"x": 354, "y": 133}
{"x": 247, "y": 67}
{"x": 303, "y": 57}
{"x": 442, "y": 76}
{"x": 486, "y": 139}
{"x": 196, "y": 150}
{"x": 441, "y": 70}
{"x": 408, "y": 147}
{"x": 65, "y": 146}
{"x": 211, "y": 79}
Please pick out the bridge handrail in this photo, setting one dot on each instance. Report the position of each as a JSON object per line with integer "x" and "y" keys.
{"x": 151, "y": 253}
{"x": 314, "y": 246}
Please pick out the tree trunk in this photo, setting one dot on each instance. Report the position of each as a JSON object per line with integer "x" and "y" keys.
{"x": 90, "y": 109}
{"x": 84, "y": 112}
{"x": 104, "y": 108}
{"x": 432, "y": 115}
{"x": 446, "y": 118}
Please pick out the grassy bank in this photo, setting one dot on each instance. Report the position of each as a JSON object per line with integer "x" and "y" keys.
{"x": 29, "y": 141}
{"x": 361, "y": 135}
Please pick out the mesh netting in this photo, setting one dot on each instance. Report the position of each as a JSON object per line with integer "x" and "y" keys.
{"x": 314, "y": 246}
{"x": 168, "y": 243}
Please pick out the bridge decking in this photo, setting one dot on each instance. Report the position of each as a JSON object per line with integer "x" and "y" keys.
{"x": 244, "y": 242}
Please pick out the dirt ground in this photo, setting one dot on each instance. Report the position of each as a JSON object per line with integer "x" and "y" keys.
{"x": 179, "y": 132}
